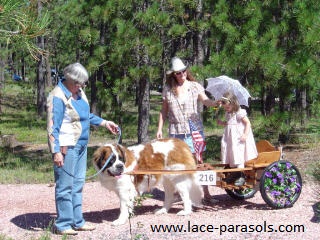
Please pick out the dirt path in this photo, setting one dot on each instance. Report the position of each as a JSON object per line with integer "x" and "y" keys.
{"x": 27, "y": 210}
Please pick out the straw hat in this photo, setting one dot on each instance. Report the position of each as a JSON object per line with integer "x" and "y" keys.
{"x": 176, "y": 65}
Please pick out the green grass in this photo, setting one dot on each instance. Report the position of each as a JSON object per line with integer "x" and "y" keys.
{"x": 19, "y": 116}
{"x": 25, "y": 166}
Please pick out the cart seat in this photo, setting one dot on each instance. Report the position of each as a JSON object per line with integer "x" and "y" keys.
{"x": 267, "y": 154}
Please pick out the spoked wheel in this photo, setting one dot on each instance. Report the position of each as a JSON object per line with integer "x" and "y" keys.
{"x": 280, "y": 184}
{"x": 241, "y": 194}
{"x": 238, "y": 194}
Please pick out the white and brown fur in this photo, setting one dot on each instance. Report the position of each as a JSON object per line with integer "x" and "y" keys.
{"x": 163, "y": 154}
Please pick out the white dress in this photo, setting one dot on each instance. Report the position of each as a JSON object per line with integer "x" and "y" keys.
{"x": 234, "y": 152}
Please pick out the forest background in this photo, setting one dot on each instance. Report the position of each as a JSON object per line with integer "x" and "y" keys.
{"x": 271, "y": 46}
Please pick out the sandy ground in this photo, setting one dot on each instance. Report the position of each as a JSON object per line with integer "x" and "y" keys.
{"x": 27, "y": 211}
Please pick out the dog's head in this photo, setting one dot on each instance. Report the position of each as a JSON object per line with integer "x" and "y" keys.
{"x": 111, "y": 158}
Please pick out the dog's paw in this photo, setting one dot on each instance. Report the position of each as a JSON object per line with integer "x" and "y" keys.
{"x": 184, "y": 213}
{"x": 119, "y": 222}
{"x": 161, "y": 211}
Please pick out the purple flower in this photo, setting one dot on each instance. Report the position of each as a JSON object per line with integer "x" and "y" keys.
{"x": 298, "y": 188}
{"x": 287, "y": 203}
{"x": 279, "y": 175}
{"x": 291, "y": 179}
{"x": 274, "y": 169}
{"x": 274, "y": 180}
{"x": 287, "y": 191}
{"x": 288, "y": 165}
{"x": 275, "y": 193}
{"x": 268, "y": 174}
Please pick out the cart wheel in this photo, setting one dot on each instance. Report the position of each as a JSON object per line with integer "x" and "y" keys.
{"x": 241, "y": 194}
{"x": 280, "y": 184}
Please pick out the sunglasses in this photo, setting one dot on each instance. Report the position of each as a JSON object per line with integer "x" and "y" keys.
{"x": 179, "y": 73}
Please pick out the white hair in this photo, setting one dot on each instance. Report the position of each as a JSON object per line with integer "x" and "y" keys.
{"x": 76, "y": 72}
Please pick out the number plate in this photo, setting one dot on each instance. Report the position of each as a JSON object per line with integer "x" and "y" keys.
{"x": 206, "y": 177}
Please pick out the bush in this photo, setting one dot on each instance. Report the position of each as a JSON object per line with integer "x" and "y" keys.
{"x": 271, "y": 127}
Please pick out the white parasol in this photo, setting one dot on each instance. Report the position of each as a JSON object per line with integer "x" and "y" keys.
{"x": 219, "y": 85}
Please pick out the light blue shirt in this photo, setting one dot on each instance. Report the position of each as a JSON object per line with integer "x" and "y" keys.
{"x": 68, "y": 120}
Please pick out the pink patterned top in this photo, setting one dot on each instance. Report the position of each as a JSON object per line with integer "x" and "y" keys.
{"x": 180, "y": 109}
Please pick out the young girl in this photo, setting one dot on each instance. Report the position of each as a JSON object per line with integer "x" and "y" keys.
{"x": 237, "y": 144}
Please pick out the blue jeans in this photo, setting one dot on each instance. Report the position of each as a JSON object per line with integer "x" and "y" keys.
{"x": 69, "y": 181}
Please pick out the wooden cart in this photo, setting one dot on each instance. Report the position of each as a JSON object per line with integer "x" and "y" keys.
{"x": 278, "y": 180}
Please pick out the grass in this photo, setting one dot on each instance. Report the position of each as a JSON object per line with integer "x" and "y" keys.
{"x": 19, "y": 116}
{"x": 25, "y": 166}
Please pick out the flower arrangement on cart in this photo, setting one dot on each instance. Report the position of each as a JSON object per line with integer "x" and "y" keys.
{"x": 281, "y": 184}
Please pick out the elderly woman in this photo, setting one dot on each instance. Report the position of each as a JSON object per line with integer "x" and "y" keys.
{"x": 68, "y": 126}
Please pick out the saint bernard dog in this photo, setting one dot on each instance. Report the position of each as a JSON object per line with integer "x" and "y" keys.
{"x": 163, "y": 154}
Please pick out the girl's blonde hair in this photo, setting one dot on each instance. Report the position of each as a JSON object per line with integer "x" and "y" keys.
{"x": 232, "y": 99}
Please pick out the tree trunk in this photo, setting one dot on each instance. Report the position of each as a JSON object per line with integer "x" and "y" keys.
{"x": 197, "y": 44}
{"x": 94, "y": 97}
{"x": 267, "y": 99}
{"x": 263, "y": 98}
{"x": 143, "y": 110}
{"x": 49, "y": 78}
{"x": 98, "y": 75}
{"x": 198, "y": 36}
{"x": 144, "y": 89}
{"x": 270, "y": 101}
{"x": 41, "y": 75}
{"x": 23, "y": 69}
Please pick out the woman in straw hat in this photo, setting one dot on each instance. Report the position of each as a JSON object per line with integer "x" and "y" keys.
{"x": 181, "y": 95}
